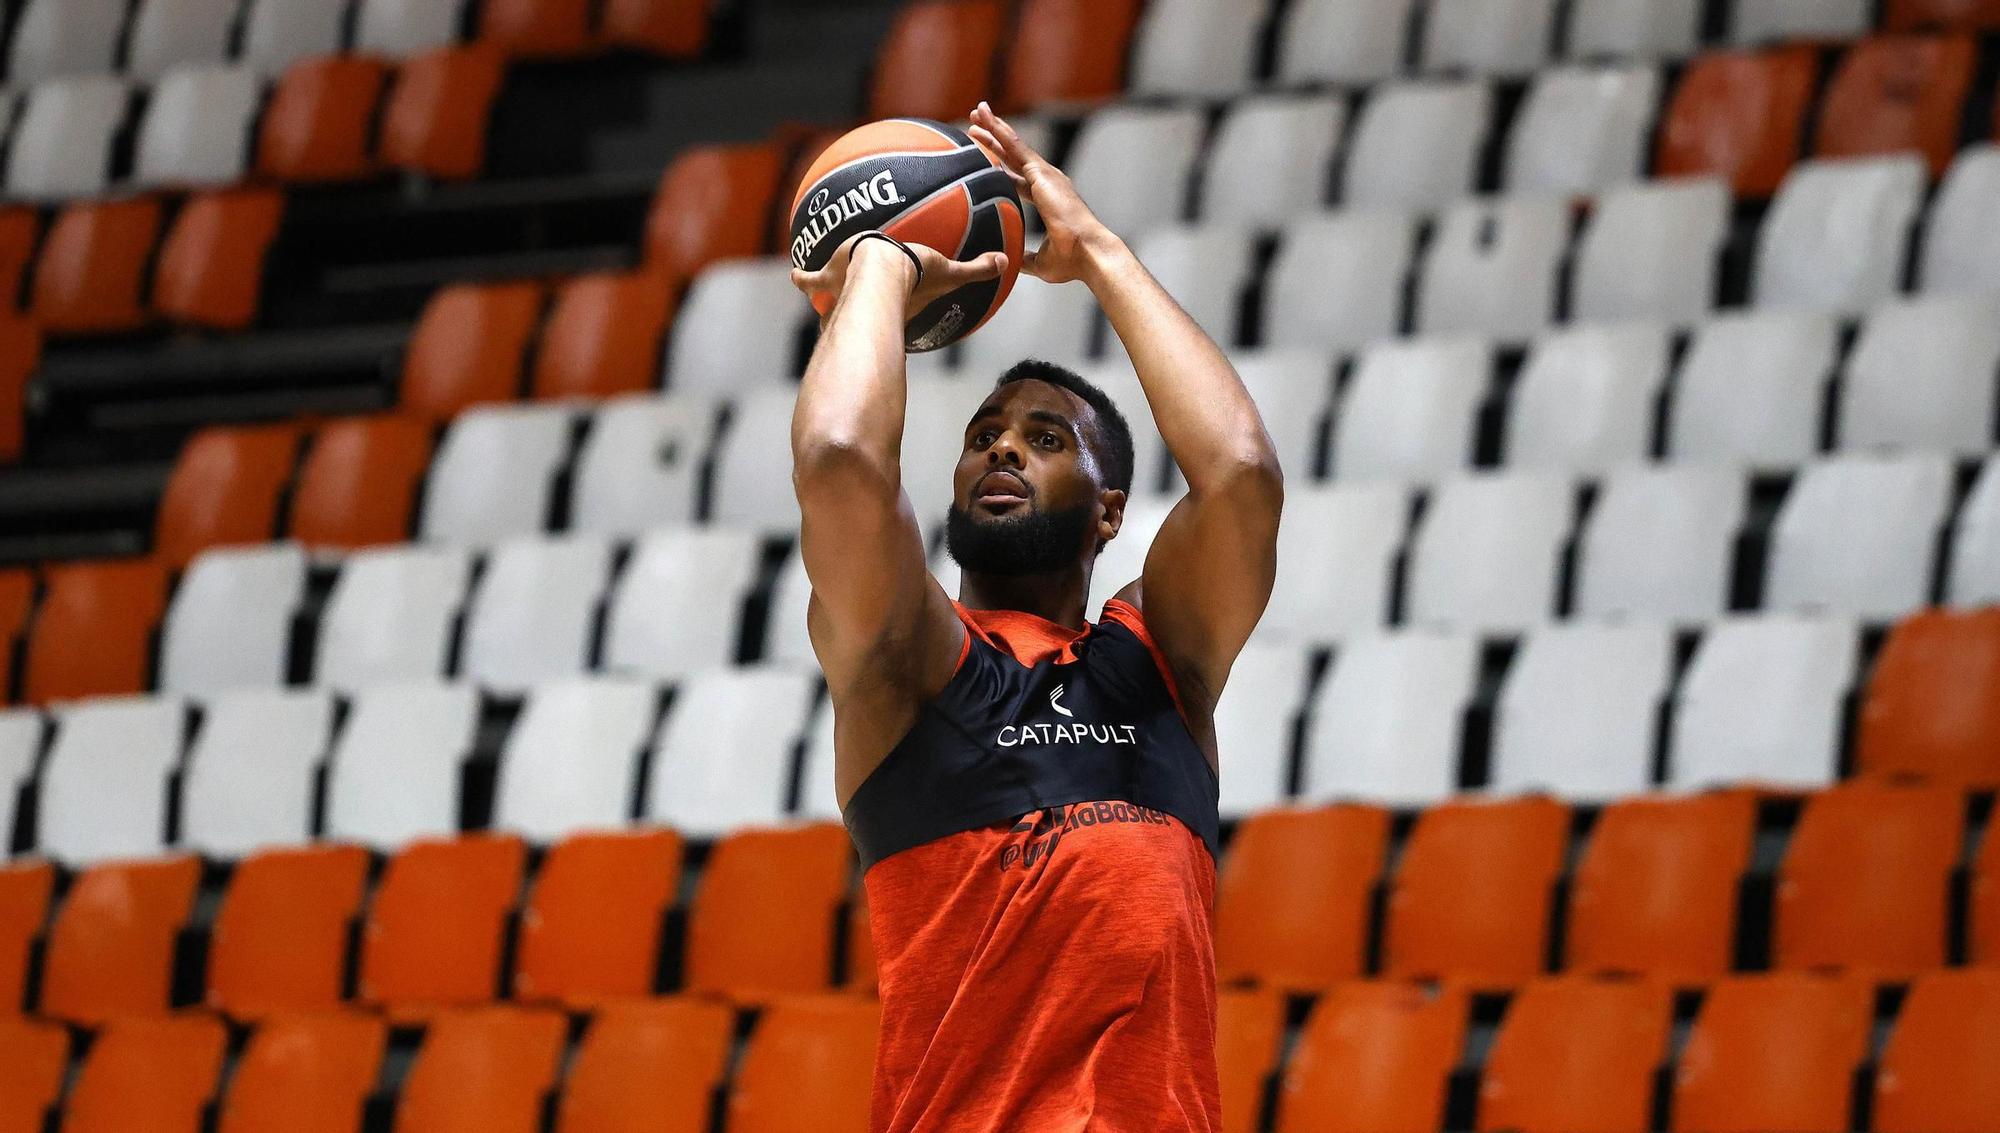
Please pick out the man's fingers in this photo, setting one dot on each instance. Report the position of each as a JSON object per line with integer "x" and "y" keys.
{"x": 806, "y": 281}
{"x": 1017, "y": 151}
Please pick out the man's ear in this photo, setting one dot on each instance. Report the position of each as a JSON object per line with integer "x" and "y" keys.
{"x": 1114, "y": 514}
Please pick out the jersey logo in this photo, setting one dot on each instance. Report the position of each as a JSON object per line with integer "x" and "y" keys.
{"x": 1055, "y": 701}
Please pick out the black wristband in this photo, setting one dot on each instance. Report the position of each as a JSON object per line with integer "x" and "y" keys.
{"x": 878, "y": 234}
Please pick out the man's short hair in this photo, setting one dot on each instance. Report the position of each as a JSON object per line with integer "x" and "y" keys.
{"x": 1115, "y": 435}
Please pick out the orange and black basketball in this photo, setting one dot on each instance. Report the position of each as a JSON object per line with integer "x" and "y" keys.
{"x": 922, "y": 182}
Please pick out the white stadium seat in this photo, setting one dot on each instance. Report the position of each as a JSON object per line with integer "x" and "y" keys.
{"x": 1293, "y": 389}
{"x": 20, "y": 744}
{"x": 1493, "y": 268}
{"x": 1053, "y": 322}
{"x": 196, "y": 131}
{"x": 394, "y": 772}
{"x": 1837, "y": 234}
{"x": 1388, "y": 718}
{"x": 1660, "y": 542}
{"x": 1206, "y": 269}
{"x": 278, "y": 33}
{"x": 1149, "y": 449}
{"x": 1416, "y": 145}
{"x": 1409, "y": 408}
{"x": 1586, "y": 399}
{"x": 1134, "y": 164}
{"x": 1255, "y": 723}
{"x": 1582, "y": 130}
{"x": 1641, "y": 29}
{"x": 1922, "y": 376}
{"x": 407, "y": 27}
{"x": 786, "y": 638}
{"x": 390, "y": 617}
{"x": 62, "y": 143}
{"x": 1858, "y": 535}
{"x": 167, "y": 34}
{"x": 252, "y": 771}
{"x": 1354, "y": 42}
{"x": 678, "y": 605}
{"x": 732, "y": 333}
{"x": 1961, "y": 253}
{"x": 1652, "y": 251}
{"x": 1487, "y": 550}
{"x": 533, "y": 611}
{"x": 753, "y": 465}
{"x": 494, "y": 474}
{"x": 1337, "y": 280}
{"x": 1765, "y": 21}
{"x": 1197, "y": 47}
{"x": 819, "y": 797}
{"x": 1579, "y": 711}
{"x": 1337, "y": 548}
{"x": 104, "y": 785}
{"x": 723, "y": 758}
{"x": 56, "y": 39}
{"x": 1762, "y": 703}
{"x": 1750, "y": 389}
{"x": 1272, "y": 159}
{"x": 936, "y": 412}
{"x": 640, "y": 464}
{"x": 571, "y": 761}
{"x": 1974, "y": 576}
{"x": 1488, "y": 37}
{"x": 230, "y": 624}
{"x": 1124, "y": 558}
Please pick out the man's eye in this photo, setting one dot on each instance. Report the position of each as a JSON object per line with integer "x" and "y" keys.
{"x": 1050, "y": 441}
{"x": 982, "y": 439}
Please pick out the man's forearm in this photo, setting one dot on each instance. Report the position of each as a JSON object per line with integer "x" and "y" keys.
{"x": 851, "y": 400}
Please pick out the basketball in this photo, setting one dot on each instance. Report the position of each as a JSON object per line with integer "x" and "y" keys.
{"x": 923, "y": 182}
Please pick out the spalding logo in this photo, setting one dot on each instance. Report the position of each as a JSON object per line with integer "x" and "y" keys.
{"x": 818, "y": 202}
{"x": 829, "y": 212}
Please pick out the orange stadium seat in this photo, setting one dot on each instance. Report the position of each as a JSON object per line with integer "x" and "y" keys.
{"x": 1739, "y": 115}
{"x": 591, "y": 928}
{"x": 470, "y": 346}
{"x": 603, "y": 335}
{"x": 20, "y": 357}
{"x": 1774, "y": 1052}
{"x": 20, "y": 227}
{"x": 1984, "y": 931}
{"x": 436, "y": 117}
{"x": 436, "y": 928}
{"x": 1372, "y": 1057}
{"x": 1293, "y": 902}
{"x": 111, "y": 948}
{"x": 650, "y": 1066}
{"x": 1471, "y": 898}
{"x": 305, "y": 1074}
{"x": 211, "y": 270}
{"x": 17, "y": 600}
{"x": 484, "y": 1071}
{"x": 861, "y": 973}
{"x": 937, "y": 60}
{"x": 148, "y": 1076}
{"x": 1894, "y": 94}
{"x": 24, "y": 910}
{"x": 1930, "y": 710}
{"x": 673, "y": 28}
{"x": 358, "y": 486}
{"x": 1249, "y": 1035}
{"x": 1915, "y": 15}
{"x": 1937, "y": 1073}
{"x": 93, "y": 636}
{"x": 713, "y": 203}
{"x": 1068, "y": 51}
{"x": 809, "y": 1067}
{"x": 33, "y": 1060}
{"x": 319, "y": 125}
{"x": 763, "y": 914}
{"x": 92, "y": 266}
{"x": 539, "y": 29}
{"x": 1866, "y": 881}
{"x": 1657, "y": 886}
{"x": 224, "y": 490}
{"x": 280, "y": 938}
{"x": 1577, "y": 1053}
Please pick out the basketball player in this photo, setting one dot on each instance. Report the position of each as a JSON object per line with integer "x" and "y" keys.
{"x": 1033, "y": 795}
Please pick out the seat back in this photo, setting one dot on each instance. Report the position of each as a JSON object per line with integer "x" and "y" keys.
{"x": 1897, "y": 93}
{"x": 62, "y": 144}
{"x": 1652, "y": 251}
{"x": 1492, "y": 268}
{"x": 531, "y": 616}
{"x": 92, "y": 266}
{"x": 1386, "y": 722}
{"x": 280, "y": 940}
{"x": 1488, "y": 37}
{"x": 1750, "y": 388}
{"x": 1929, "y": 710}
{"x": 810, "y": 1064}
{"x": 591, "y": 930}
{"x": 1773, "y": 1052}
{"x": 1373, "y": 1056}
{"x": 723, "y": 758}
{"x": 167, "y": 34}
{"x": 937, "y": 59}
{"x": 1656, "y": 889}
{"x": 319, "y": 124}
{"x": 1416, "y": 145}
{"x": 1764, "y": 702}
{"x": 1738, "y": 115}
{"x": 93, "y": 634}
{"x": 395, "y": 769}
{"x": 651, "y": 1066}
{"x": 1488, "y": 549}
{"x": 484, "y": 1071}
{"x": 640, "y": 466}
{"x": 1961, "y": 252}
{"x": 305, "y": 1073}
{"x": 1583, "y": 130}
{"x": 1577, "y": 1053}
{"x": 1586, "y": 400}
{"x": 435, "y": 119}
{"x": 147, "y": 1073}
{"x": 211, "y": 268}
{"x": 1471, "y": 898}
{"x": 1336, "y": 564}
{"x": 1858, "y": 534}
{"x": 279, "y": 33}
{"x": 762, "y": 921}
{"x": 1249, "y": 1037}
{"x": 1067, "y": 51}
{"x": 65, "y": 37}
{"x": 358, "y": 486}
{"x": 111, "y": 946}
{"x": 25, "y": 890}
{"x": 1838, "y": 234}
{"x": 224, "y": 489}
{"x": 390, "y": 616}
{"x": 437, "y": 924}
{"x": 1866, "y": 882}
{"x": 470, "y": 347}
{"x": 1133, "y": 163}
{"x": 1660, "y": 542}
{"x": 104, "y": 784}
{"x": 603, "y": 335}
{"x": 406, "y": 27}
{"x": 34, "y": 1058}
{"x": 1271, "y": 160}
{"x": 1294, "y": 898}
{"x": 1189, "y": 48}
{"x": 1408, "y": 410}
{"x": 196, "y": 129}
{"x": 571, "y": 761}
{"x": 1931, "y": 1078}
{"x": 230, "y": 624}
{"x": 1579, "y": 709}
{"x": 1918, "y": 377}
{"x": 495, "y": 473}
{"x": 253, "y": 770}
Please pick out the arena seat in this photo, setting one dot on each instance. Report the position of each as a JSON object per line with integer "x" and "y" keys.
{"x": 34, "y": 1060}
{"x": 1373, "y": 1056}
{"x": 1773, "y": 1052}
{"x": 540, "y": 29}
{"x": 1385, "y": 723}
{"x": 1134, "y": 163}
{"x": 1342, "y": 41}
{"x": 531, "y": 614}
{"x": 1894, "y": 94}
{"x": 1336, "y": 560}
{"x": 1738, "y": 115}
{"x": 92, "y": 636}
{"x": 809, "y": 1064}
{"x": 195, "y": 132}
{"x": 1760, "y": 21}
{"x": 1764, "y": 702}
{"x": 1196, "y": 48}
{"x": 17, "y": 599}
{"x": 1578, "y": 708}
{"x": 1125, "y": 558}
{"x": 1838, "y": 234}
{"x": 1487, "y": 552}
{"x": 56, "y": 38}
{"x": 1865, "y": 883}
{"x": 1917, "y": 15}
{"x": 1408, "y": 409}
{"x": 663, "y": 27}
{"x": 1337, "y": 280}
{"x": 470, "y": 347}
{"x": 1067, "y": 51}
{"x": 1271, "y": 160}
{"x": 62, "y": 142}
{"x": 280, "y": 33}
{"x": 251, "y": 772}
{"x": 1655, "y": 891}
{"x": 1858, "y": 534}
{"x": 390, "y": 617}
{"x": 1973, "y": 574}
{"x": 1493, "y": 267}
{"x": 1930, "y": 1080}
{"x": 1582, "y": 130}
{"x": 1960, "y": 248}
{"x": 603, "y": 336}
{"x": 436, "y": 927}
{"x": 434, "y": 122}
{"x": 111, "y": 945}
{"x": 91, "y": 273}
{"x": 1488, "y": 37}
{"x": 591, "y": 929}
{"x": 1205, "y": 268}
{"x": 640, "y": 464}
{"x": 937, "y": 60}
{"x": 1294, "y": 896}
{"x": 359, "y": 482}
{"x": 25, "y": 891}
{"x": 406, "y": 27}
{"x": 21, "y": 733}
{"x": 1293, "y": 391}
{"x": 230, "y": 623}
{"x": 210, "y": 272}
{"x": 1256, "y": 723}
{"x": 785, "y": 636}
{"x": 723, "y": 757}
{"x": 715, "y": 203}
{"x": 1249, "y": 1038}
{"x": 1586, "y": 399}
{"x": 1651, "y": 251}
{"x": 648, "y": 1066}
{"x": 1416, "y": 145}
{"x": 1921, "y": 376}
{"x": 147, "y": 1074}
{"x": 761, "y": 925}
{"x": 1471, "y": 898}
{"x": 571, "y": 761}
{"x": 1750, "y": 389}
{"x": 1038, "y": 320}
{"x": 1577, "y": 1053}
{"x": 1642, "y": 29}
{"x": 1929, "y": 711}
{"x": 494, "y": 475}
{"x": 319, "y": 123}
{"x": 224, "y": 490}
{"x": 305, "y": 1074}
{"x": 725, "y": 340}
{"x": 753, "y": 465}
{"x": 485, "y": 1071}
{"x": 104, "y": 784}
{"x": 394, "y": 771}
{"x": 170, "y": 34}
{"x": 676, "y": 608}
{"x": 1660, "y": 542}
{"x": 280, "y": 940}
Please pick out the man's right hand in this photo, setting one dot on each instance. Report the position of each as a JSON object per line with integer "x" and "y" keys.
{"x": 872, "y": 258}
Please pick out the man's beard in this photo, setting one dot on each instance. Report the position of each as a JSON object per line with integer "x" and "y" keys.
{"x": 1033, "y": 542}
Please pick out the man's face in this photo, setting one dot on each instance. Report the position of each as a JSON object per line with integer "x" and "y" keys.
{"x": 1026, "y": 496}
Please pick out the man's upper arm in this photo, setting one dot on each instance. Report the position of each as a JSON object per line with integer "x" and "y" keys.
{"x": 1208, "y": 576}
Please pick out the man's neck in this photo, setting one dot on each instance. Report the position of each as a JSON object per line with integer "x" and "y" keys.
{"x": 1058, "y": 596}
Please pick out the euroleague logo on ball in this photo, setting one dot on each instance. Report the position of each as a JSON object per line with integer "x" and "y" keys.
{"x": 829, "y": 212}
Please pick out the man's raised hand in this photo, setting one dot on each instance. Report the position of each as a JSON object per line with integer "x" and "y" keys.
{"x": 942, "y": 274}
{"x": 1071, "y": 229}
